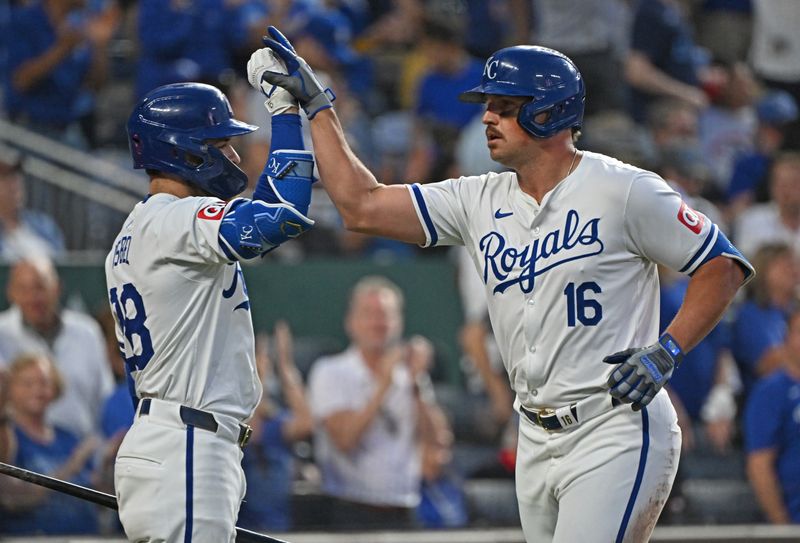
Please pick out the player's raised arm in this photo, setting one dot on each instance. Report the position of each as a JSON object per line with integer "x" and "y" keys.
{"x": 365, "y": 205}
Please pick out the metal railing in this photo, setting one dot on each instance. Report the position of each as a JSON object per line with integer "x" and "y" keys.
{"x": 87, "y": 196}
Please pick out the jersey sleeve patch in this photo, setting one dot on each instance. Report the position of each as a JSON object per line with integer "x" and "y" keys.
{"x": 212, "y": 212}
{"x": 690, "y": 218}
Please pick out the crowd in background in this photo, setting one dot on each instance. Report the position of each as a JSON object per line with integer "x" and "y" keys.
{"x": 704, "y": 92}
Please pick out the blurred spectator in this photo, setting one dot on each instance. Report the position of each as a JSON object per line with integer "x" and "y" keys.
{"x": 442, "y": 500}
{"x": 480, "y": 350}
{"x": 23, "y": 232}
{"x": 372, "y": 407}
{"x": 324, "y": 40}
{"x": 438, "y": 114}
{"x": 725, "y": 28}
{"x": 388, "y": 36}
{"x": 591, "y": 34}
{"x": 490, "y": 24}
{"x": 748, "y": 184}
{"x": 489, "y": 395}
{"x": 615, "y": 134}
{"x": 35, "y": 323}
{"x": 704, "y": 390}
{"x": 727, "y": 127}
{"x": 777, "y": 220}
{"x": 684, "y": 168}
{"x": 663, "y": 60}
{"x": 671, "y": 121}
{"x": 189, "y": 40}
{"x": 117, "y": 411}
{"x": 775, "y": 51}
{"x": 772, "y": 435}
{"x": 33, "y": 384}
{"x": 57, "y": 58}
{"x": 268, "y": 459}
{"x": 760, "y": 324}
{"x": 115, "y": 418}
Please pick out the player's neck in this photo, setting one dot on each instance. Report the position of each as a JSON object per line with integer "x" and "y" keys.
{"x": 547, "y": 169}
{"x": 174, "y": 186}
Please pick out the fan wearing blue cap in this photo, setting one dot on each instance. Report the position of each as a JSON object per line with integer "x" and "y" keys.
{"x": 567, "y": 245}
{"x": 181, "y": 309}
{"x": 776, "y": 111}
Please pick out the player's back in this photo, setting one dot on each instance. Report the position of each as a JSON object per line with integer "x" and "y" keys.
{"x": 183, "y": 316}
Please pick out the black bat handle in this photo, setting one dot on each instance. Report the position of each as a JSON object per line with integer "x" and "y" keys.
{"x": 106, "y": 500}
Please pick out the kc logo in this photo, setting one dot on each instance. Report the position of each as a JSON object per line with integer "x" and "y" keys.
{"x": 690, "y": 218}
{"x": 490, "y": 70}
{"x": 212, "y": 212}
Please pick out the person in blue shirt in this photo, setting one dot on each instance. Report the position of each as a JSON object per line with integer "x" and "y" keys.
{"x": 772, "y": 435}
{"x": 189, "y": 41}
{"x": 664, "y": 59}
{"x": 759, "y": 326}
{"x": 438, "y": 115}
{"x": 33, "y": 383}
{"x": 700, "y": 387}
{"x": 749, "y": 182}
{"x": 56, "y": 52}
{"x": 268, "y": 462}
{"x": 117, "y": 415}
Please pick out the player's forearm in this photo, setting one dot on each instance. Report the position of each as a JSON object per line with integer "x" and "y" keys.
{"x": 365, "y": 205}
{"x": 710, "y": 291}
{"x": 346, "y": 179}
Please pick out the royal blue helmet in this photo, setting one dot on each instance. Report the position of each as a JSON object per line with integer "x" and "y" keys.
{"x": 169, "y": 129}
{"x": 551, "y": 80}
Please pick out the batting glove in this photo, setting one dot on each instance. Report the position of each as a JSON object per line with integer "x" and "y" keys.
{"x": 641, "y": 372}
{"x": 299, "y": 79}
{"x": 279, "y": 100}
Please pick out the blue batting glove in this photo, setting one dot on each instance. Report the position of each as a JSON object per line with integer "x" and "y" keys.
{"x": 300, "y": 80}
{"x": 642, "y": 372}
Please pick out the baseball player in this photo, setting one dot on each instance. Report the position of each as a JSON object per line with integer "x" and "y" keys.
{"x": 181, "y": 307}
{"x": 567, "y": 244}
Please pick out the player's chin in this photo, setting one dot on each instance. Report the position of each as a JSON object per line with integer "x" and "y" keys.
{"x": 495, "y": 151}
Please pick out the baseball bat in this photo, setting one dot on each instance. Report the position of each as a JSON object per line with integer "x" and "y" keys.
{"x": 106, "y": 500}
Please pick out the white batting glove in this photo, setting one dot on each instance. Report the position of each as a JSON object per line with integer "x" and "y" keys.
{"x": 279, "y": 100}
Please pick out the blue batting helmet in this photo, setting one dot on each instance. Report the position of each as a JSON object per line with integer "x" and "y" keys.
{"x": 169, "y": 129}
{"x": 550, "y": 78}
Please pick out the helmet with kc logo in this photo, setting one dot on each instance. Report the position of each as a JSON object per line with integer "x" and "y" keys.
{"x": 550, "y": 78}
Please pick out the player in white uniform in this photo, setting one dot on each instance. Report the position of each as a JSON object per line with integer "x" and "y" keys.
{"x": 182, "y": 313}
{"x": 566, "y": 244}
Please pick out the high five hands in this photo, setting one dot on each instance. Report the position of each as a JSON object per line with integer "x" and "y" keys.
{"x": 298, "y": 78}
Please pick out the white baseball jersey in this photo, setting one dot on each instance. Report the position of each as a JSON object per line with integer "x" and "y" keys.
{"x": 183, "y": 315}
{"x": 573, "y": 278}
